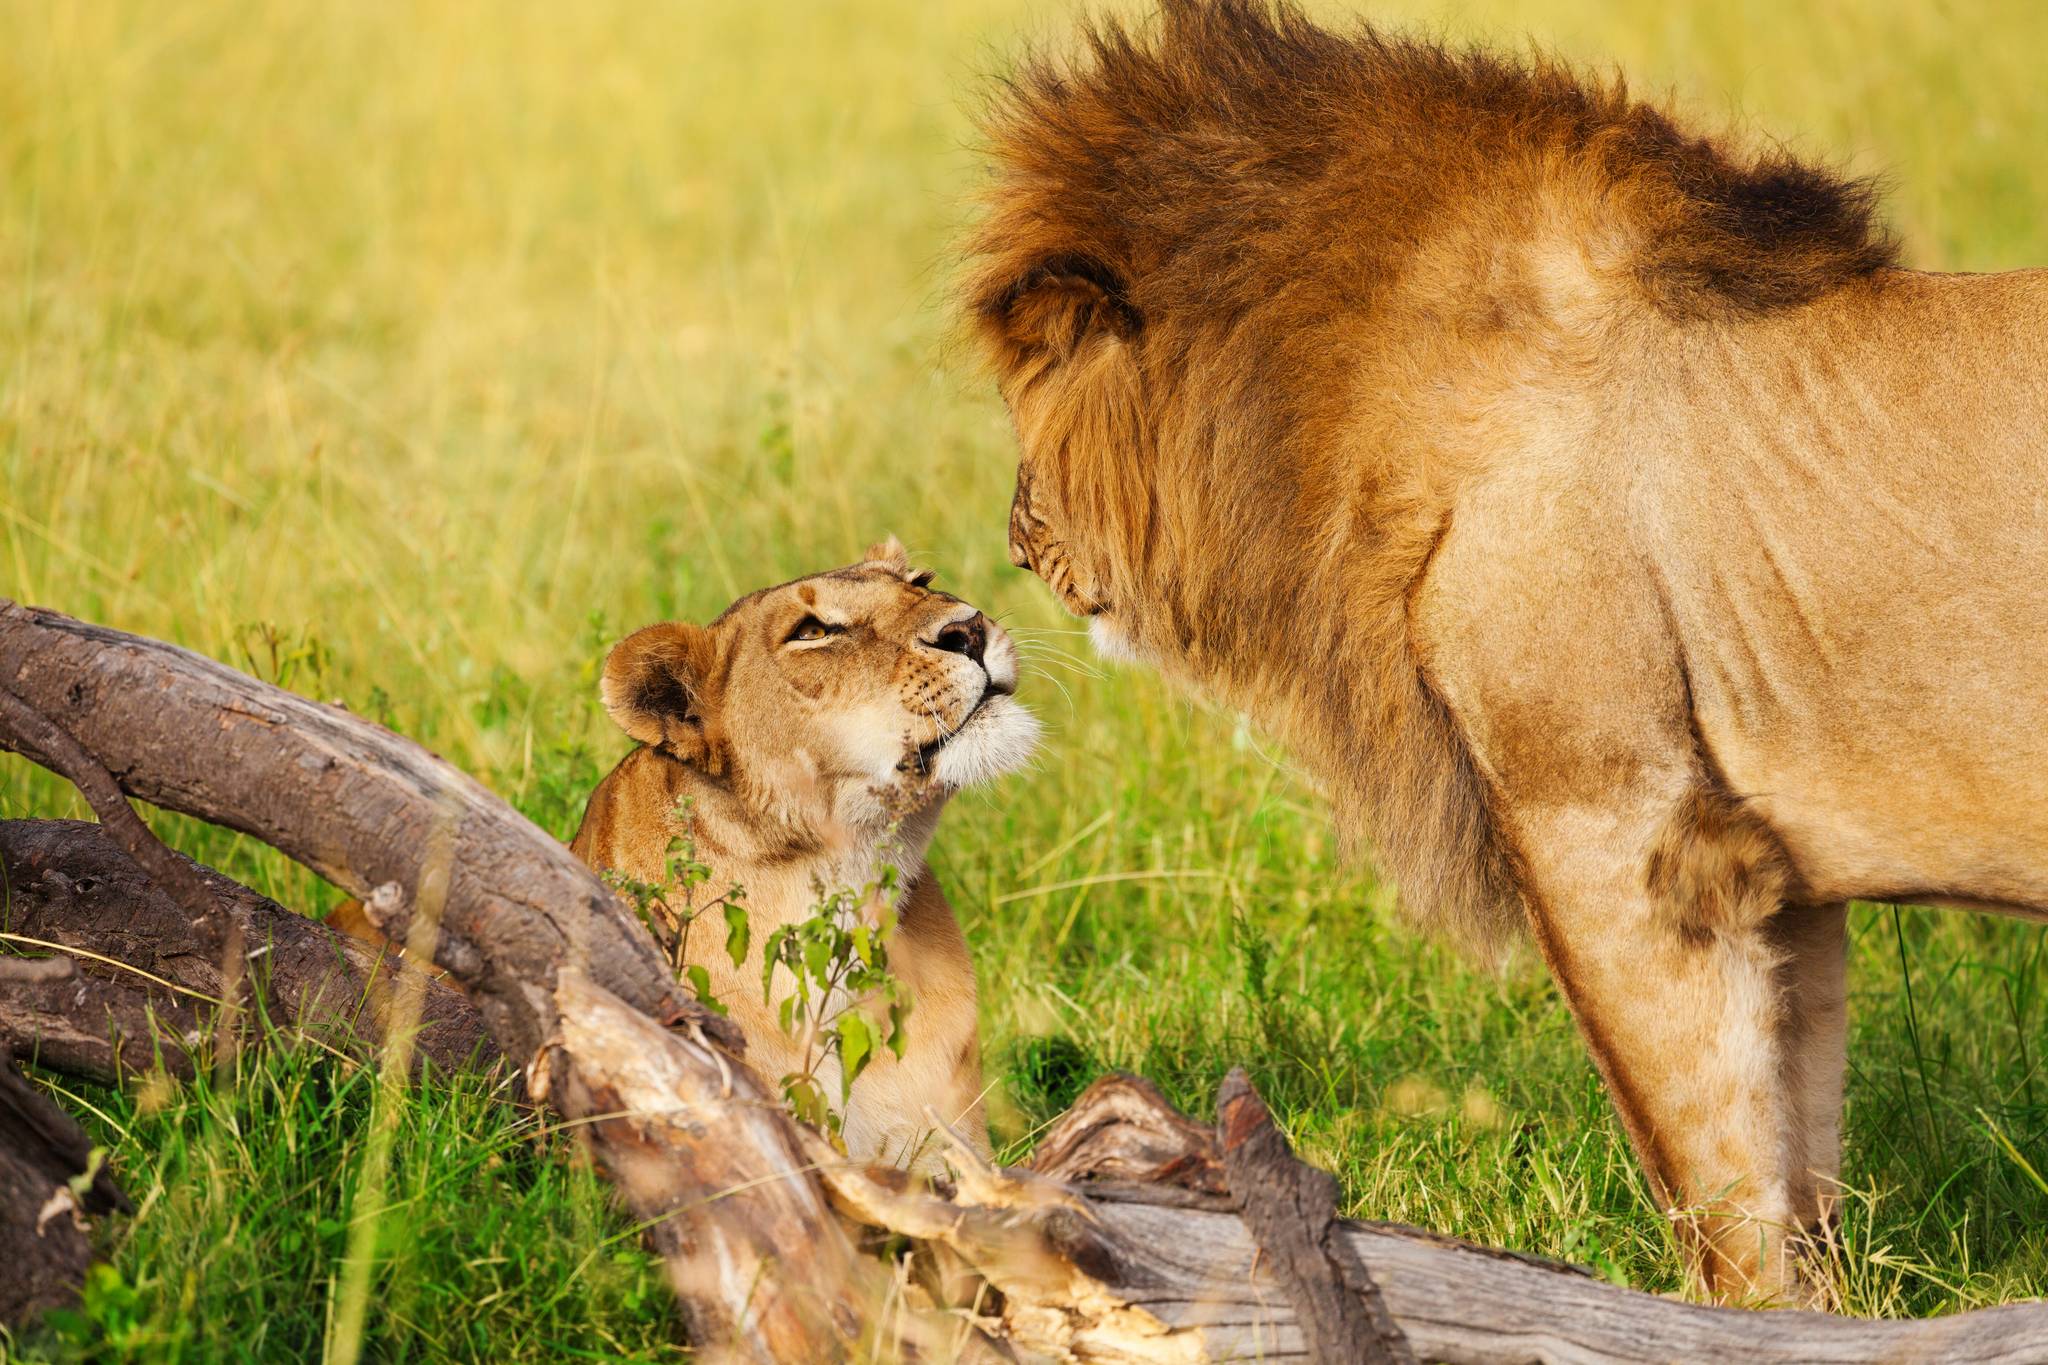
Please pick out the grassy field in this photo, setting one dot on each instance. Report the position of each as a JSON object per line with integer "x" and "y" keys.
{"x": 408, "y": 355}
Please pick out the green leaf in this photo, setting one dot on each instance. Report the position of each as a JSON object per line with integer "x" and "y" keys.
{"x": 772, "y": 952}
{"x": 818, "y": 959}
{"x": 738, "y": 933}
{"x": 804, "y": 1098}
{"x": 700, "y": 982}
{"x": 898, "y": 1039}
{"x": 856, "y": 1049}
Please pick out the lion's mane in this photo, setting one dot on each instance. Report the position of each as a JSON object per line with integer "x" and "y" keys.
{"x": 1230, "y": 264}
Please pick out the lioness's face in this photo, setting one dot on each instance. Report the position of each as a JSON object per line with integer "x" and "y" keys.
{"x": 863, "y": 674}
{"x": 873, "y": 673}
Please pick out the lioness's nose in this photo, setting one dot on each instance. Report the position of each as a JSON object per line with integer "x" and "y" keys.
{"x": 969, "y": 637}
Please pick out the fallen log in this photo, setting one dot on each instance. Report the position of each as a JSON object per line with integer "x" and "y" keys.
{"x": 101, "y": 1028}
{"x": 671, "y": 1118}
{"x": 140, "y": 978}
{"x": 348, "y": 799}
{"x": 1165, "y": 1271}
{"x": 511, "y": 914}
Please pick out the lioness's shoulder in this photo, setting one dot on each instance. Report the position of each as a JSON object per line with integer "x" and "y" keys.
{"x": 628, "y": 823}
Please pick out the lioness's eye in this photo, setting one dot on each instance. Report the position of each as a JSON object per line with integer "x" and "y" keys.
{"x": 811, "y": 628}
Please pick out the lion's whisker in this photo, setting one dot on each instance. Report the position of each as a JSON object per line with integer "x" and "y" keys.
{"x": 1074, "y": 666}
{"x": 1057, "y": 682}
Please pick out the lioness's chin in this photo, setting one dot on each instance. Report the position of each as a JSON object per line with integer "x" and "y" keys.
{"x": 999, "y": 738}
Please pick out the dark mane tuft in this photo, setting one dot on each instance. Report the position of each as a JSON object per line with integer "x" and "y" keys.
{"x": 1234, "y": 145}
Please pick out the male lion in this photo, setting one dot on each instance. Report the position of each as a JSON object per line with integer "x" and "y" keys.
{"x": 1633, "y": 550}
{"x": 817, "y": 730}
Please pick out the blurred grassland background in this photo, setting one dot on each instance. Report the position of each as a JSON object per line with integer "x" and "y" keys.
{"x": 408, "y": 354}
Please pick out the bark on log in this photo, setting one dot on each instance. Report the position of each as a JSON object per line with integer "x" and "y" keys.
{"x": 518, "y": 916}
{"x": 67, "y": 884}
{"x": 1124, "y": 1130}
{"x": 1290, "y": 1209}
{"x": 670, "y": 1120}
{"x": 100, "y": 1027}
{"x": 1157, "y": 1273}
{"x": 43, "y": 1244}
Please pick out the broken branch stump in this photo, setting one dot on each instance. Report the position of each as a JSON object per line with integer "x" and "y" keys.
{"x": 43, "y": 1243}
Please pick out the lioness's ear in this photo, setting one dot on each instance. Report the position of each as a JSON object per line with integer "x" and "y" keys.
{"x": 656, "y": 686}
{"x": 1055, "y": 305}
{"x": 889, "y": 554}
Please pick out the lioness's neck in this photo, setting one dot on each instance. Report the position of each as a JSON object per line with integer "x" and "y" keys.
{"x": 789, "y": 852}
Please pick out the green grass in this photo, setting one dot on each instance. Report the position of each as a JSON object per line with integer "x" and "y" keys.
{"x": 408, "y": 355}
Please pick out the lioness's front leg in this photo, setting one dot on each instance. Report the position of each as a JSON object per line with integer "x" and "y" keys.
{"x": 1685, "y": 1009}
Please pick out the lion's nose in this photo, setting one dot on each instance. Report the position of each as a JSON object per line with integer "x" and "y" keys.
{"x": 969, "y": 637}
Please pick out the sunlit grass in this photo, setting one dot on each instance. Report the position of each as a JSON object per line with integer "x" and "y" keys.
{"x": 407, "y": 355}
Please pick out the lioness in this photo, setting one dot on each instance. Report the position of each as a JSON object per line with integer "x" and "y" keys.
{"x": 817, "y": 729}
{"x": 1635, "y": 551}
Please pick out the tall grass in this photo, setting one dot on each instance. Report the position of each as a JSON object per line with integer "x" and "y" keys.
{"x": 408, "y": 354}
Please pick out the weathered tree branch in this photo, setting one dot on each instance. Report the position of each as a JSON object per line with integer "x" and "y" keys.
{"x": 1125, "y": 1131}
{"x": 1290, "y": 1209}
{"x": 673, "y": 1121}
{"x": 520, "y": 916}
{"x": 350, "y": 800}
{"x": 100, "y": 1027}
{"x": 69, "y": 885}
{"x": 63, "y": 754}
{"x": 217, "y": 925}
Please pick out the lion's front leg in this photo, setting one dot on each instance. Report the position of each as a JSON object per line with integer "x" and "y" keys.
{"x": 1678, "y": 975}
{"x": 1667, "y": 906}
{"x": 1813, "y": 943}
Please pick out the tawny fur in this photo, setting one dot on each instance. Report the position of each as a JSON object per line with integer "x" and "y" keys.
{"x": 1633, "y": 551}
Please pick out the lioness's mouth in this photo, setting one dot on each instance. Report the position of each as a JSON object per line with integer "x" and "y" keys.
{"x": 929, "y": 750}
